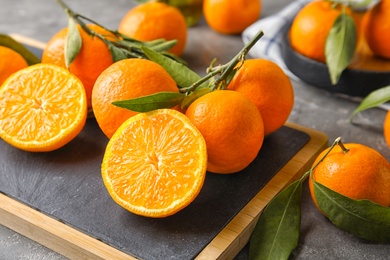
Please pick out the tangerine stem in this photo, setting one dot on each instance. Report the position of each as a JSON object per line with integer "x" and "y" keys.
{"x": 343, "y": 148}
{"x": 226, "y": 69}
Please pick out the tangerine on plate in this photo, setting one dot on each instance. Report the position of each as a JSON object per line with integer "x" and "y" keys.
{"x": 42, "y": 108}
{"x": 93, "y": 58}
{"x": 232, "y": 127}
{"x": 231, "y": 16}
{"x": 155, "y": 163}
{"x": 377, "y": 29}
{"x": 311, "y": 26}
{"x": 269, "y": 88}
{"x": 360, "y": 173}
{"x": 156, "y": 20}
{"x": 10, "y": 62}
{"x": 126, "y": 79}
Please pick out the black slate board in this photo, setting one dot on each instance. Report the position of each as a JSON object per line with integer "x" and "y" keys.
{"x": 66, "y": 185}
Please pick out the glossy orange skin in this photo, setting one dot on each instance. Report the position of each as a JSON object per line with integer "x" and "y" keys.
{"x": 10, "y": 62}
{"x": 269, "y": 88}
{"x": 360, "y": 173}
{"x": 126, "y": 79}
{"x": 231, "y": 16}
{"x": 232, "y": 127}
{"x": 156, "y": 20}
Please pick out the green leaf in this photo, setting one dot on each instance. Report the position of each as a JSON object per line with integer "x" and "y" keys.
{"x": 9, "y": 42}
{"x": 340, "y": 46}
{"x": 363, "y": 218}
{"x": 183, "y": 75}
{"x": 374, "y": 99}
{"x": 197, "y": 93}
{"x": 151, "y": 102}
{"x": 276, "y": 233}
{"x": 118, "y": 53}
{"x": 73, "y": 42}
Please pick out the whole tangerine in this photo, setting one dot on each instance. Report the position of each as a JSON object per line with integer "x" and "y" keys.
{"x": 232, "y": 127}
{"x": 156, "y": 20}
{"x": 355, "y": 171}
{"x": 126, "y": 79}
{"x": 269, "y": 88}
{"x": 231, "y": 16}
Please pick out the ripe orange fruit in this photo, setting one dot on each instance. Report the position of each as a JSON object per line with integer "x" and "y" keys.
{"x": 93, "y": 58}
{"x": 360, "y": 173}
{"x": 386, "y": 129}
{"x": 10, "y": 62}
{"x": 126, "y": 79}
{"x": 231, "y": 16}
{"x": 232, "y": 127}
{"x": 311, "y": 27}
{"x": 42, "y": 108}
{"x": 269, "y": 88}
{"x": 155, "y": 164}
{"x": 377, "y": 29}
{"x": 156, "y": 20}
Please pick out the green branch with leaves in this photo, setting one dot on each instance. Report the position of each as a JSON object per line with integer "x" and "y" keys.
{"x": 276, "y": 233}
{"x": 121, "y": 47}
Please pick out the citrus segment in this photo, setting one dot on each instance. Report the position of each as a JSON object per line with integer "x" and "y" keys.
{"x": 155, "y": 163}
{"x": 42, "y": 107}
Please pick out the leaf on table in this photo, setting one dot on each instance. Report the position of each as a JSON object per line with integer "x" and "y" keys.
{"x": 9, "y": 42}
{"x": 374, "y": 99}
{"x": 363, "y": 218}
{"x": 276, "y": 233}
{"x": 73, "y": 42}
{"x": 340, "y": 46}
{"x": 183, "y": 75}
{"x": 151, "y": 102}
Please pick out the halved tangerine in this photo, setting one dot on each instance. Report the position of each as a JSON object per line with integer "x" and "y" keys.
{"x": 42, "y": 108}
{"x": 155, "y": 163}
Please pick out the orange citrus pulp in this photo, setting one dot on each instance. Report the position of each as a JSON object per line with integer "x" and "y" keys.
{"x": 155, "y": 163}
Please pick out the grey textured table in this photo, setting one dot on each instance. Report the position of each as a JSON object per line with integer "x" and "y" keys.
{"x": 314, "y": 108}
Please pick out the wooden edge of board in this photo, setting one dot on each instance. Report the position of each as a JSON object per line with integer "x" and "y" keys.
{"x": 54, "y": 234}
{"x": 25, "y": 40}
{"x": 230, "y": 241}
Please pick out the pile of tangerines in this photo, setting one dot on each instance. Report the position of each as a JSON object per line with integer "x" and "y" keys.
{"x": 155, "y": 162}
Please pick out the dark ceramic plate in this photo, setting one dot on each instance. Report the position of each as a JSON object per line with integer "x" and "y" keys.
{"x": 353, "y": 82}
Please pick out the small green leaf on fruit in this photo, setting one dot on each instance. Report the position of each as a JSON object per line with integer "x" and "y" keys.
{"x": 363, "y": 218}
{"x": 276, "y": 233}
{"x": 183, "y": 76}
{"x": 374, "y": 99}
{"x": 197, "y": 93}
{"x": 340, "y": 46}
{"x": 73, "y": 42}
{"x": 151, "y": 102}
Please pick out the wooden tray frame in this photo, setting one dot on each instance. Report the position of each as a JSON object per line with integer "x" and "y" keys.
{"x": 75, "y": 244}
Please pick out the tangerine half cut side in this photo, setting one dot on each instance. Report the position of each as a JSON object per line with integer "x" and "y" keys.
{"x": 155, "y": 163}
{"x": 42, "y": 108}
